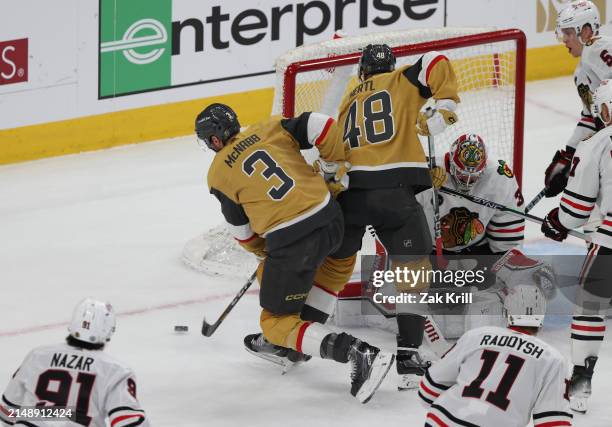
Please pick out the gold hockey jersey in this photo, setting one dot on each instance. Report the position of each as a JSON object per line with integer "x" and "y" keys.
{"x": 378, "y": 119}
{"x": 264, "y": 184}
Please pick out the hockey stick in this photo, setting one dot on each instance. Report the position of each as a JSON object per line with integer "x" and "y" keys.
{"x": 432, "y": 165}
{"x": 535, "y": 200}
{"x": 493, "y": 205}
{"x": 207, "y": 328}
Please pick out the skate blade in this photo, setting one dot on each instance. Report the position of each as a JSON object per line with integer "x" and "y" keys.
{"x": 283, "y": 362}
{"x": 408, "y": 382}
{"x": 578, "y": 404}
{"x": 380, "y": 369}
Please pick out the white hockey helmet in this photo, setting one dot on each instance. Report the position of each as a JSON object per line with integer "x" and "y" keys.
{"x": 524, "y": 305}
{"x": 467, "y": 160}
{"x": 602, "y": 102}
{"x": 92, "y": 321}
{"x": 575, "y": 15}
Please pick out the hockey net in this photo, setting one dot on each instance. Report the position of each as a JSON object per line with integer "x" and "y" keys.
{"x": 490, "y": 69}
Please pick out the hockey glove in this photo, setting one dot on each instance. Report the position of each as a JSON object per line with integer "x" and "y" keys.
{"x": 436, "y": 124}
{"x": 334, "y": 174}
{"x": 257, "y": 246}
{"x": 555, "y": 177}
{"x": 552, "y": 227}
{"x": 438, "y": 177}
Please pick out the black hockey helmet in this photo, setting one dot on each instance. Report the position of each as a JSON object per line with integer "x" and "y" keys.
{"x": 376, "y": 58}
{"x": 216, "y": 120}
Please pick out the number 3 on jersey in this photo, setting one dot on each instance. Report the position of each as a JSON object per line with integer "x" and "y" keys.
{"x": 377, "y": 123}
{"x": 272, "y": 169}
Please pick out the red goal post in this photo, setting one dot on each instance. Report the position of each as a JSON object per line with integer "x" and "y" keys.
{"x": 490, "y": 66}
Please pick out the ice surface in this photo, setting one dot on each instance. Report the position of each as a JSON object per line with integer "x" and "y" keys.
{"x": 112, "y": 224}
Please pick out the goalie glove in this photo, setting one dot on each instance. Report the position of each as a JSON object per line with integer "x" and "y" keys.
{"x": 334, "y": 174}
{"x": 429, "y": 124}
{"x": 515, "y": 268}
{"x": 552, "y": 227}
{"x": 555, "y": 177}
{"x": 438, "y": 177}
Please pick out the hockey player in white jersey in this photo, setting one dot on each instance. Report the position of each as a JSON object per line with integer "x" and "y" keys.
{"x": 578, "y": 29}
{"x": 467, "y": 227}
{"x": 500, "y": 377}
{"x": 78, "y": 375}
{"x": 589, "y": 186}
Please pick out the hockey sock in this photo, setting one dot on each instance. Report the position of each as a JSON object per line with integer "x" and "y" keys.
{"x": 319, "y": 304}
{"x": 587, "y": 337}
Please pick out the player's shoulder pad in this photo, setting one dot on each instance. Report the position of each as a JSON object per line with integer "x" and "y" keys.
{"x": 551, "y": 351}
{"x": 476, "y": 332}
{"x": 429, "y": 60}
{"x": 44, "y": 350}
{"x": 597, "y": 54}
{"x": 595, "y": 145}
{"x": 501, "y": 168}
{"x": 118, "y": 367}
{"x": 418, "y": 73}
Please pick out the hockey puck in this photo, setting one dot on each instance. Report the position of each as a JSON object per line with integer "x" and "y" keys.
{"x": 181, "y": 328}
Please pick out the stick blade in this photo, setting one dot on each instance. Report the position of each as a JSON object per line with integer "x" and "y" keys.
{"x": 207, "y": 329}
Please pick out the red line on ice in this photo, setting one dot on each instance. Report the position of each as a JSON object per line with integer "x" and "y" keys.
{"x": 551, "y": 108}
{"x": 33, "y": 329}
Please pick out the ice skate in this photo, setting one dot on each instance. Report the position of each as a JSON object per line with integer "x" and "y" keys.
{"x": 369, "y": 368}
{"x": 287, "y": 358}
{"x": 410, "y": 368}
{"x": 580, "y": 385}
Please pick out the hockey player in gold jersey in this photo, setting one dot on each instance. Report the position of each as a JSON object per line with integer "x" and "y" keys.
{"x": 280, "y": 209}
{"x": 380, "y": 118}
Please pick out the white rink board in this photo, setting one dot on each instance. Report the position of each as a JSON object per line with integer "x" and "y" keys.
{"x": 63, "y": 45}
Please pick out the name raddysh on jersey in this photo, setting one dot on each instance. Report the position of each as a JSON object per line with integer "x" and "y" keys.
{"x": 512, "y": 341}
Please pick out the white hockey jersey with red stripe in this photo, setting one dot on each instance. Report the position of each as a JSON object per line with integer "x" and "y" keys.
{"x": 590, "y": 184}
{"x": 94, "y": 385}
{"x": 595, "y": 65}
{"x": 465, "y": 223}
{"x": 497, "y": 377}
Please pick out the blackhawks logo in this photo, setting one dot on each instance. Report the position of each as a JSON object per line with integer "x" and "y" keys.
{"x": 504, "y": 169}
{"x": 460, "y": 227}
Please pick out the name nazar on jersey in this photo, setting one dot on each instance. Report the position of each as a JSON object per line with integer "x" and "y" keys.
{"x": 512, "y": 341}
{"x": 239, "y": 148}
{"x": 71, "y": 361}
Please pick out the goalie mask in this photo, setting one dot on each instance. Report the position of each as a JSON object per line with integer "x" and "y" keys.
{"x": 92, "y": 322}
{"x": 375, "y": 59}
{"x": 467, "y": 160}
{"x": 524, "y": 305}
{"x": 216, "y": 120}
{"x": 576, "y": 15}
{"x": 602, "y": 102}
